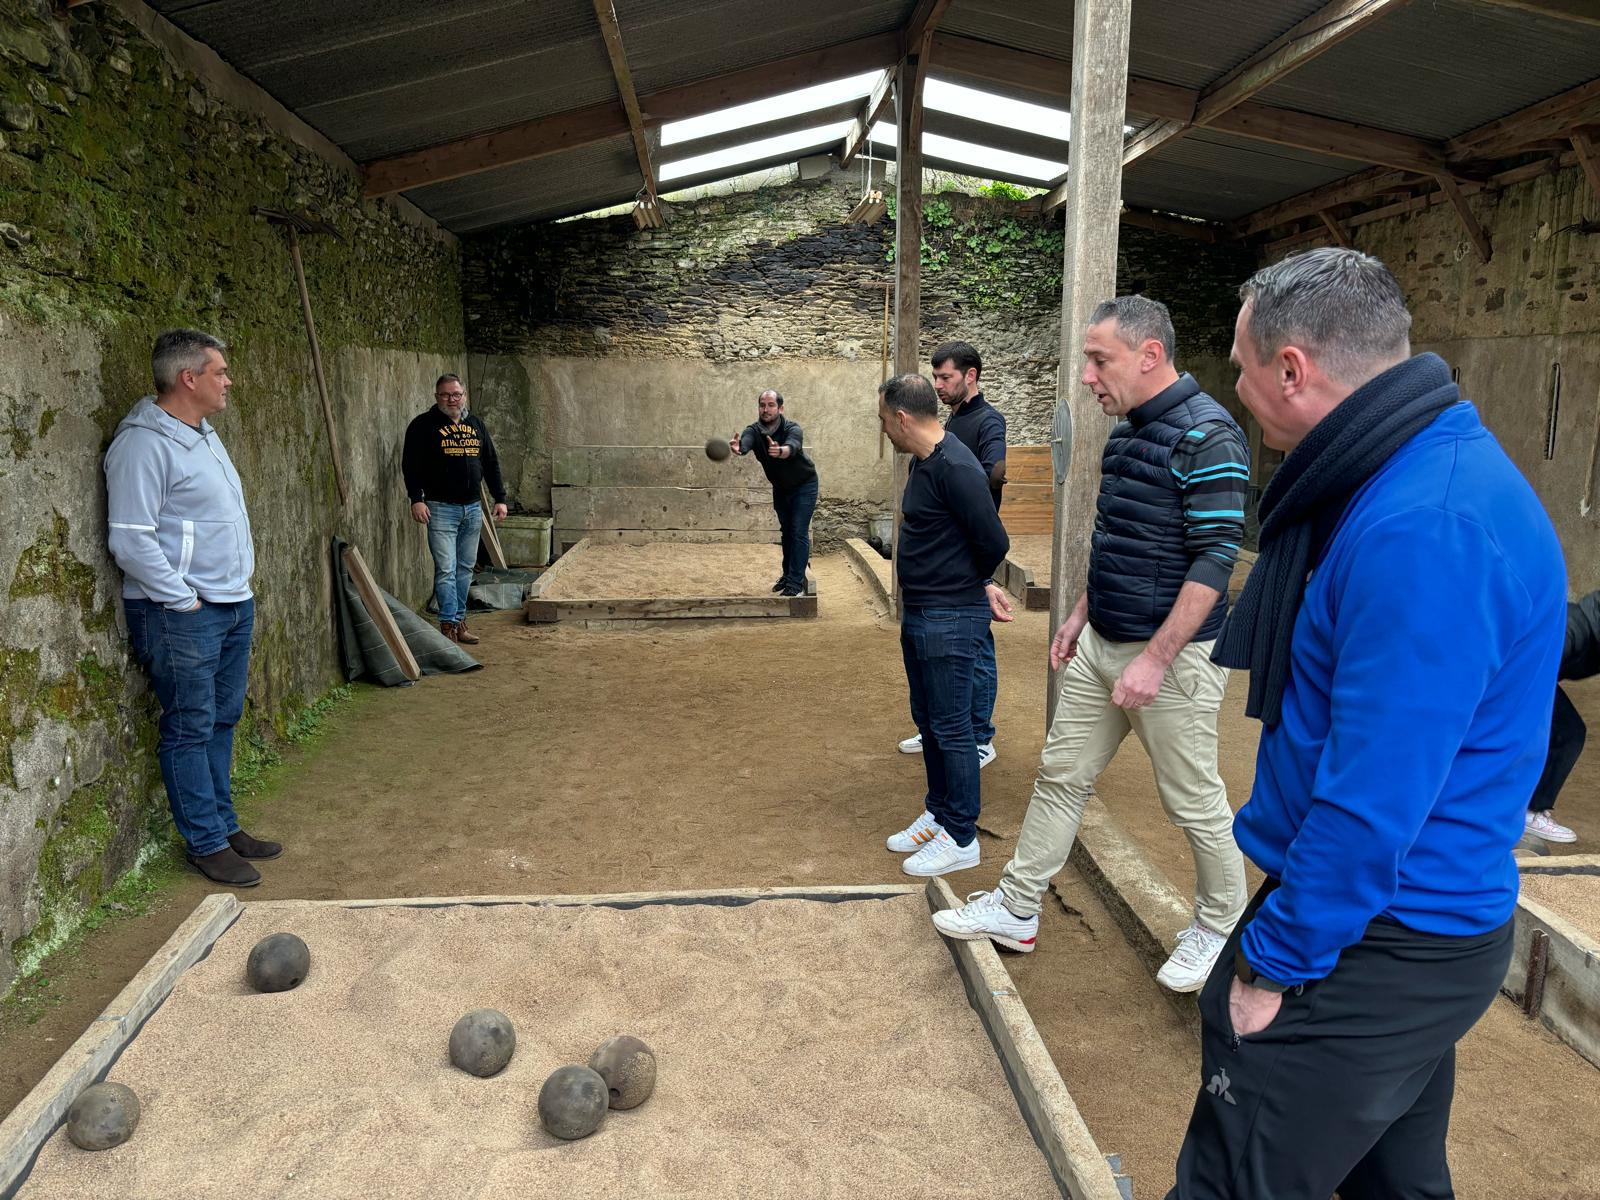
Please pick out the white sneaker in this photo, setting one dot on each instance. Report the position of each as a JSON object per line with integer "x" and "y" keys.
{"x": 921, "y": 831}
{"x": 985, "y": 915}
{"x": 1191, "y": 962}
{"x": 912, "y": 745}
{"x": 942, "y": 855}
{"x": 1542, "y": 825}
{"x": 985, "y": 755}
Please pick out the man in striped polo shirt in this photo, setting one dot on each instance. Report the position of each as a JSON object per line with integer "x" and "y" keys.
{"x": 1135, "y": 653}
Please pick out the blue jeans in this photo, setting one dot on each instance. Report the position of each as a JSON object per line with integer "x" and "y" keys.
{"x": 453, "y": 542}
{"x": 197, "y": 662}
{"x": 985, "y": 686}
{"x": 794, "y": 511}
{"x": 941, "y": 647}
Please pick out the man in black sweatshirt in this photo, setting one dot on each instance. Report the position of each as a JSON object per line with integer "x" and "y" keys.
{"x": 957, "y": 369}
{"x": 779, "y": 446}
{"x": 448, "y": 453}
{"x": 951, "y": 541}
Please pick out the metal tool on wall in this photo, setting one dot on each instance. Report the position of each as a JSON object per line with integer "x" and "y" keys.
{"x": 295, "y": 224}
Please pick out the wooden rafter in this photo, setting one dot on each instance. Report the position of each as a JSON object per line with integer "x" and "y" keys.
{"x": 1340, "y": 236}
{"x": 1317, "y": 34}
{"x": 585, "y": 126}
{"x": 606, "y": 14}
{"x": 861, "y": 127}
{"x": 1549, "y": 118}
{"x": 924, "y": 21}
{"x": 1584, "y": 146}
{"x": 1469, "y": 222}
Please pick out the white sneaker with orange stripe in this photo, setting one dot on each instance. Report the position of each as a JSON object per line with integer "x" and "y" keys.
{"x": 941, "y": 855}
{"x": 924, "y": 829}
{"x": 985, "y": 915}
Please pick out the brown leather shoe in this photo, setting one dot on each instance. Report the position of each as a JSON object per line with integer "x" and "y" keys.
{"x": 225, "y": 867}
{"x": 448, "y": 628}
{"x": 246, "y": 846}
{"x": 465, "y": 638}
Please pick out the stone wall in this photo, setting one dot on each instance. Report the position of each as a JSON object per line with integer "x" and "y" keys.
{"x": 127, "y": 177}
{"x": 772, "y": 288}
{"x": 1508, "y": 323}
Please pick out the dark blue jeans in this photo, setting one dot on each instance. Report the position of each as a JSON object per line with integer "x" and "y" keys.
{"x": 941, "y": 647}
{"x": 197, "y": 662}
{"x": 985, "y": 686}
{"x": 794, "y": 509}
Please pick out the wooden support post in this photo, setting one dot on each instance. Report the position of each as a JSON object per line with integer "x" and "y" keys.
{"x": 1583, "y": 145}
{"x": 1475, "y": 231}
{"x": 1340, "y": 237}
{"x": 907, "y": 251}
{"x": 1089, "y": 275}
{"x": 316, "y": 365}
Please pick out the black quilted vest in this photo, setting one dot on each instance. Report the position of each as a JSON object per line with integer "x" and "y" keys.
{"x": 1137, "y": 561}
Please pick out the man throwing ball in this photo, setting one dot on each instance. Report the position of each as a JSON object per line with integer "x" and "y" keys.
{"x": 779, "y": 445}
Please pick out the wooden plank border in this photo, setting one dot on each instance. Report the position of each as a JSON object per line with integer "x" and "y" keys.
{"x": 1058, "y": 1128}
{"x": 1570, "y": 1007}
{"x": 378, "y": 612}
{"x": 24, "y": 1132}
{"x": 874, "y": 571}
{"x": 1018, "y": 580}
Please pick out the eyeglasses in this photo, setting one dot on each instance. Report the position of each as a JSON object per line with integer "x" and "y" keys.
{"x": 449, "y": 395}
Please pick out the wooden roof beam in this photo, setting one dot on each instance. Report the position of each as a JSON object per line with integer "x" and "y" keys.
{"x": 1549, "y": 118}
{"x": 606, "y": 14}
{"x": 596, "y": 123}
{"x": 1317, "y": 34}
{"x": 1588, "y": 152}
{"x": 861, "y": 127}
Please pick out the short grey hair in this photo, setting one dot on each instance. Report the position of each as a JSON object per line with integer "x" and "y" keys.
{"x": 179, "y": 350}
{"x": 910, "y": 393}
{"x": 1139, "y": 319}
{"x": 1343, "y": 307}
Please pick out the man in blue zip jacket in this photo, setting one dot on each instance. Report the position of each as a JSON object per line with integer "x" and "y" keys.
{"x": 1402, "y": 628}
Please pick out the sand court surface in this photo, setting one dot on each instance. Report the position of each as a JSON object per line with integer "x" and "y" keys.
{"x": 669, "y": 570}
{"x": 804, "y": 1048}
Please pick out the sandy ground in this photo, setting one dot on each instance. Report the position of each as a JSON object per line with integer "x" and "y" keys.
{"x": 1575, "y": 897}
{"x": 789, "y": 1062}
{"x": 725, "y": 754}
{"x": 668, "y": 569}
{"x": 1033, "y": 550}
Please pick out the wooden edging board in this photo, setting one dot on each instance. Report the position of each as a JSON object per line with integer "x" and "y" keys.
{"x": 86, "y": 1061}
{"x": 491, "y": 535}
{"x": 1018, "y": 580}
{"x": 1080, "y": 1170}
{"x": 541, "y": 610}
{"x": 1570, "y": 1007}
{"x": 378, "y": 611}
{"x": 873, "y": 570}
{"x": 1047, "y": 1107}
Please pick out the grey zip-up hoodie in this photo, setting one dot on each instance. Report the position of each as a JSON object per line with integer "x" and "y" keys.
{"x": 179, "y": 529}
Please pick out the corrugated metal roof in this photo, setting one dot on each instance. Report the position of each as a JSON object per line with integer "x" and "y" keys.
{"x": 557, "y": 185}
{"x": 1220, "y": 177}
{"x": 669, "y": 42}
{"x": 1437, "y": 68}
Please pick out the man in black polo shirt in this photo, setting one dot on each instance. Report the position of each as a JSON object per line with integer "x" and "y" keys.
{"x": 957, "y": 367}
{"x": 951, "y": 540}
{"x": 779, "y": 446}
{"x": 448, "y": 453}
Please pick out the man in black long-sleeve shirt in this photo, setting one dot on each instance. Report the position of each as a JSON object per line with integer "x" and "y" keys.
{"x": 448, "y": 453}
{"x": 957, "y": 369}
{"x": 779, "y": 446}
{"x": 951, "y": 541}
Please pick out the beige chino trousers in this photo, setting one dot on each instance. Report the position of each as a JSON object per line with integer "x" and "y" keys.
{"x": 1179, "y": 732}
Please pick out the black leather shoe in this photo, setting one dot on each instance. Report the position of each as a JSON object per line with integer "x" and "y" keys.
{"x": 790, "y": 590}
{"x": 778, "y": 587}
{"x": 246, "y": 846}
{"x": 225, "y": 867}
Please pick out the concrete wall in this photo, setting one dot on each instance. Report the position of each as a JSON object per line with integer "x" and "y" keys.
{"x": 592, "y": 329}
{"x": 127, "y": 173}
{"x": 1506, "y": 323}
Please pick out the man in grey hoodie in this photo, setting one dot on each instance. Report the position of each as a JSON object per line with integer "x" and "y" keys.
{"x": 181, "y": 536}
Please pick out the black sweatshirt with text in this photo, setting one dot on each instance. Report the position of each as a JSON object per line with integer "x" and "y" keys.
{"x": 444, "y": 460}
{"x": 951, "y": 538}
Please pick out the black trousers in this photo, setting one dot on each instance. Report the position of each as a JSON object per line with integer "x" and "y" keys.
{"x": 1349, "y": 1089}
{"x": 1567, "y": 733}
